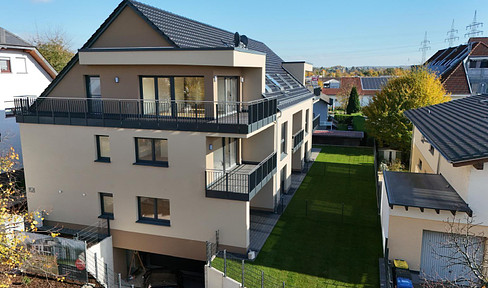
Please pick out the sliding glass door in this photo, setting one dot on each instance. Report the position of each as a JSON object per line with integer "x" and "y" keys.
{"x": 94, "y": 94}
{"x": 228, "y": 94}
{"x": 225, "y": 157}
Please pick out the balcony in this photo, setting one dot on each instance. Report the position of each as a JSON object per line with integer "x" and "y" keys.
{"x": 205, "y": 116}
{"x": 297, "y": 140}
{"x": 316, "y": 122}
{"x": 241, "y": 183}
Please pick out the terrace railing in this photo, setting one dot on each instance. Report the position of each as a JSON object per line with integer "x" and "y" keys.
{"x": 297, "y": 140}
{"x": 316, "y": 122}
{"x": 210, "y": 116}
{"x": 240, "y": 183}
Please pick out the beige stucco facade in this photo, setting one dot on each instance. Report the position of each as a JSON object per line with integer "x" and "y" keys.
{"x": 404, "y": 227}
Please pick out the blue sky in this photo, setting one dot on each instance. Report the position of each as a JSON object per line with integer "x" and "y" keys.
{"x": 325, "y": 33}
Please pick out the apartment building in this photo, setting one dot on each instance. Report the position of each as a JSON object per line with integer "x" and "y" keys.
{"x": 173, "y": 130}
{"x": 20, "y": 63}
{"x": 447, "y": 182}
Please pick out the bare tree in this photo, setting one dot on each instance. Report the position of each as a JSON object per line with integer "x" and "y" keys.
{"x": 55, "y": 46}
{"x": 463, "y": 246}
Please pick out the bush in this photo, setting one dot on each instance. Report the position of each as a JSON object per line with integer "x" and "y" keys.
{"x": 344, "y": 119}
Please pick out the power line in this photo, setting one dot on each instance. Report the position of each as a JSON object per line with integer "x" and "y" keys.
{"x": 424, "y": 47}
{"x": 451, "y": 35}
{"x": 474, "y": 28}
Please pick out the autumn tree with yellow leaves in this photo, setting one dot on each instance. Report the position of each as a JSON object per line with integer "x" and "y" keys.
{"x": 412, "y": 89}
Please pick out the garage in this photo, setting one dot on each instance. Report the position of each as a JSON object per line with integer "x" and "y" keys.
{"x": 437, "y": 248}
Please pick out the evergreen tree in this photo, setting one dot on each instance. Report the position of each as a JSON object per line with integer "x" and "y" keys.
{"x": 353, "y": 105}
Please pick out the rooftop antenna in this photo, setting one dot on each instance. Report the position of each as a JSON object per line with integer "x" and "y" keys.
{"x": 451, "y": 35}
{"x": 474, "y": 28}
{"x": 424, "y": 47}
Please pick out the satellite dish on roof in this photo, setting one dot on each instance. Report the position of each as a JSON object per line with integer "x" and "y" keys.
{"x": 244, "y": 40}
{"x": 237, "y": 39}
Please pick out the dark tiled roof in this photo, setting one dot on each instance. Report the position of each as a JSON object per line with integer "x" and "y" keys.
{"x": 12, "y": 39}
{"x": 188, "y": 33}
{"x": 430, "y": 191}
{"x": 457, "y": 129}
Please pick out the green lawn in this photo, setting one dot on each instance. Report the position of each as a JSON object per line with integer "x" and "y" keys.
{"x": 323, "y": 245}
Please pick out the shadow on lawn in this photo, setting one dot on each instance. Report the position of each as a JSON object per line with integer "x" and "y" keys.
{"x": 331, "y": 228}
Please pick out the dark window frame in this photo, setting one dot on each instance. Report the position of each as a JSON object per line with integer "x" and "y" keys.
{"x": 9, "y": 66}
{"x": 307, "y": 115}
{"x": 431, "y": 149}
{"x": 101, "y": 158}
{"x": 420, "y": 164}
{"x": 283, "y": 144}
{"x": 104, "y": 214}
{"x": 153, "y": 162}
{"x": 155, "y": 220}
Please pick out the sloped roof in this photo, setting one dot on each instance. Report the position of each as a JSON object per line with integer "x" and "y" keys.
{"x": 366, "y": 86}
{"x": 374, "y": 83}
{"x": 458, "y": 129}
{"x": 183, "y": 32}
{"x": 424, "y": 191}
{"x": 8, "y": 38}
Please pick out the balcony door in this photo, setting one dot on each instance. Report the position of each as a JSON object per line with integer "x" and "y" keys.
{"x": 156, "y": 96}
{"x": 228, "y": 95}
{"x": 225, "y": 157}
{"x": 94, "y": 94}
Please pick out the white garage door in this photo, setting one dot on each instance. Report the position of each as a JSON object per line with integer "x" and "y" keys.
{"x": 437, "y": 247}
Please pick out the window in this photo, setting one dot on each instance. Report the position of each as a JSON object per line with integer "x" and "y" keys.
{"x": 21, "y": 66}
{"x": 473, "y": 63}
{"x": 306, "y": 120}
{"x": 151, "y": 151}
{"x": 103, "y": 148}
{"x": 106, "y": 206}
{"x": 94, "y": 94}
{"x": 153, "y": 211}
{"x": 420, "y": 165}
{"x": 484, "y": 64}
{"x": 284, "y": 128}
{"x": 5, "y": 66}
{"x": 158, "y": 92}
{"x": 431, "y": 149}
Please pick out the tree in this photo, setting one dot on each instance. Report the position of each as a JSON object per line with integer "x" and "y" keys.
{"x": 13, "y": 219}
{"x": 55, "y": 47}
{"x": 353, "y": 105}
{"x": 413, "y": 89}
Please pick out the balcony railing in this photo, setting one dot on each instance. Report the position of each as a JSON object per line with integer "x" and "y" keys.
{"x": 241, "y": 183}
{"x": 316, "y": 122}
{"x": 208, "y": 116}
{"x": 297, "y": 140}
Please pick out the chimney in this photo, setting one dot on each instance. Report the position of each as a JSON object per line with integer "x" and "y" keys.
{"x": 2, "y": 36}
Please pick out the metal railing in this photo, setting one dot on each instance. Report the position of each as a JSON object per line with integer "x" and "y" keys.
{"x": 297, "y": 140}
{"x": 316, "y": 122}
{"x": 141, "y": 113}
{"x": 240, "y": 183}
{"x": 94, "y": 233}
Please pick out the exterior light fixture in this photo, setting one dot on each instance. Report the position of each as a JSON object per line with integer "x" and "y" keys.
{"x": 60, "y": 191}
{"x": 242, "y": 79}
{"x": 116, "y": 79}
{"x": 215, "y": 78}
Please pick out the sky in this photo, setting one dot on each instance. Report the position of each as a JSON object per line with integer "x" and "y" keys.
{"x": 324, "y": 33}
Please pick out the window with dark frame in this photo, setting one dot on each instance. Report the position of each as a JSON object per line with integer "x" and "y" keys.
{"x": 306, "y": 120}
{"x": 106, "y": 205}
{"x": 284, "y": 129}
{"x": 152, "y": 151}
{"x": 153, "y": 211}
{"x": 420, "y": 164}
{"x": 5, "y": 66}
{"x": 431, "y": 149}
{"x": 103, "y": 148}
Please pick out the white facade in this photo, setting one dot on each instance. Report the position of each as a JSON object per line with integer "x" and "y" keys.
{"x": 27, "y": 77}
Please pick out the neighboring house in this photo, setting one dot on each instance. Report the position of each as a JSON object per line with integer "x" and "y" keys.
{"x": 448, "y": 178}
{"x": 173, "y": 130}
{"x": 463, "y": 69}
{"x": 367, "y": 88}
{"x": 23, "y": 71}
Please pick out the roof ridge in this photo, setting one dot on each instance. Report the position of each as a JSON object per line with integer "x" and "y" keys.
{"x": 16, "y": 36}
{"x": 184, "y": 17}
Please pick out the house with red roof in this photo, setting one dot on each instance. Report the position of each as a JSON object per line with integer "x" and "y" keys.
{"x": 463, "y": 69}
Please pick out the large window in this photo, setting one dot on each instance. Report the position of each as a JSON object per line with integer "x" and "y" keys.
{"x": 106, "y": 206}
{"x": 284, "y": 128}
{"x": 150, "y": 151}
{"x": 94, "y": 94}
{"x": 103, "y": 148}
{"x": 186, "y": 92}
{"x": 5, "y": 65}
{"x": 228, "y": 94}
{"x": 153, "y": 211}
